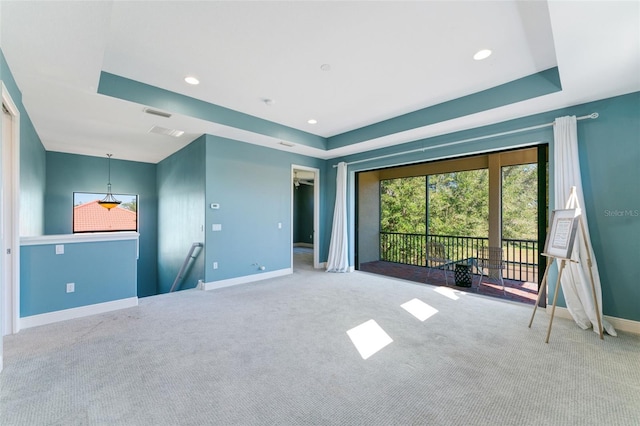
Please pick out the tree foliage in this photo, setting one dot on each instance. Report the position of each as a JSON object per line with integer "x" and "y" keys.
{"x": 403, "y": 204}
{"x": 458, "y": 203}
{"x": 131, "y": 205}
{"x": 520, "y": 202}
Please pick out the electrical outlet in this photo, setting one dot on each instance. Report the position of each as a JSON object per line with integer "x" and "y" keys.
{"x": 215, "y": 265}
{"x": 71, "y": 287}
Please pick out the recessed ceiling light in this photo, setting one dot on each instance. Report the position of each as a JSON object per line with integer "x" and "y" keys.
{"x": 482, "y": 54}
{"x": 312, "y": 121}
{"x": 325, "y": 67}
{"x": 268, "y": 101}
{"x": 191, "y": 80}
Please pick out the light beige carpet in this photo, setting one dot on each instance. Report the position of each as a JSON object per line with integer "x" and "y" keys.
{"x": 277, "y": 352}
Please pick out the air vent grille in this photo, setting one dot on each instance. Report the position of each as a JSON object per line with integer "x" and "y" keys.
{"x": 156, "y": 112}
{"x": 167, "y": 132}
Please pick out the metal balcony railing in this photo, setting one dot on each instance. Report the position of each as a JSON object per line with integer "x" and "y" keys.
{"x": 520, "y": 255}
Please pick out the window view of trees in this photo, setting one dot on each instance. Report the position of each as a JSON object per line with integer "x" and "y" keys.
{"x": 403, "y": 205}
{"x": 458, "y": 203}
{"x": 453, "y": 209}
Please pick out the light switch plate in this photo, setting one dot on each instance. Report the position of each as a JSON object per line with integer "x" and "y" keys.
{"x": 216, "y": 227}
{"x": 59, "y": 248}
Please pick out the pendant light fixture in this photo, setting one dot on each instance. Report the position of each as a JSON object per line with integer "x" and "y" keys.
{"x": 109, "y": 201}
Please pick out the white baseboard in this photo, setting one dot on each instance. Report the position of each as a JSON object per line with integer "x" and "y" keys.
{"x": 621, "y": 324}
{"x": 79, "y": 312}
{"x": 246, "y": 279}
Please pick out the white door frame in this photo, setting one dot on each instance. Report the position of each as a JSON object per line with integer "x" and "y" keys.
{"x": 316, "y": 212}
{"x": 12, "y": 195}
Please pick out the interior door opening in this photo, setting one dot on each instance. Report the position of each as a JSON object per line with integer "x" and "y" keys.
{"x": 304, "y": 217}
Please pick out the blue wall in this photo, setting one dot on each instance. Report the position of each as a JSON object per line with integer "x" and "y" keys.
{"x": 69, "y": 173}
{"x": 44, "y": 275}
{"x": 253, "y": 186}
{"x": 609, "y": 153}
{"x": 32, "y": 163}
{"x": 181, "y": 207}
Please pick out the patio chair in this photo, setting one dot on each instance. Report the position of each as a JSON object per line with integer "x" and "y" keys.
{"x": 491, "y": 259}
{"x": 437, "y": 259}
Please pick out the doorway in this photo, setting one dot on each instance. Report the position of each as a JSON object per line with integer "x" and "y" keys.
{"x": 305, "y": 207}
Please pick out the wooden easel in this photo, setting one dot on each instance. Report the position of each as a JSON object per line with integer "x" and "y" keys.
{"x": 572, "y": 202}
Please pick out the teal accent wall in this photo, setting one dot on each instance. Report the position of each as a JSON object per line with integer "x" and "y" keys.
{"x": 303, "y": 214}
{"x": 253, "y": 186}
{"x": 609, "y": 149}
{"x": 44, "y": 275}
{"x": 181, "y": 209}
{"x": 32, "y": 163}
{"x": 69, "y": 173}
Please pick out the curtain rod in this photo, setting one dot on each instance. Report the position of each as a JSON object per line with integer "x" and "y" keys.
{"x": 592, "y": 116}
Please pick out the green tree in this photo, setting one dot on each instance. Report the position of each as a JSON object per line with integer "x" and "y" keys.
{"x": 131, "y": 205}
{"x": 403, "y": 205}
{"x": 459, "y": 203}
{"x": 520, "y": 201}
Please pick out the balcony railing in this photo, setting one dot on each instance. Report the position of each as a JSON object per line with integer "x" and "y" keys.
{"x": 520, "y": 256}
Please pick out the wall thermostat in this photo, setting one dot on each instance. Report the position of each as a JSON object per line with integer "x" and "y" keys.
{"x": 215, "y": 206}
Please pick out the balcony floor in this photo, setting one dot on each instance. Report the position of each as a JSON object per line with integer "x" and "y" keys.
{"x": 518, "y": 291}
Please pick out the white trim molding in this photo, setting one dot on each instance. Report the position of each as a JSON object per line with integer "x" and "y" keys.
{"x": 620, "y": 324}
{"x": 79, "y": 312}
{"x": 78, "y": 238}
{"x": 246, "y": 279}
{"x": 14, "y": 198}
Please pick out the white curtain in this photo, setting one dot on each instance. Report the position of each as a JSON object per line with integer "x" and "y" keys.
{"x": 575, "y": 280}
{"x": 338, "y": 260}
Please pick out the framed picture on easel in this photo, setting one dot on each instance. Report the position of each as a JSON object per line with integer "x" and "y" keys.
{"x": 562, "y": 233}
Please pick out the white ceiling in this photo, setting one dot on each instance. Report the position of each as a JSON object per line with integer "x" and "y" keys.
{"x": 387, "y": 58}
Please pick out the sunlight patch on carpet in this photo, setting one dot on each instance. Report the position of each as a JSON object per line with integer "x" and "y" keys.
{"x": 419, "y": 309}
{"x": 448, "y": 292}
{"x": 369, "y": 338}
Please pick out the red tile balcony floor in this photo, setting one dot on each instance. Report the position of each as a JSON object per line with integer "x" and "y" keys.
{"x": 518, "y": 291}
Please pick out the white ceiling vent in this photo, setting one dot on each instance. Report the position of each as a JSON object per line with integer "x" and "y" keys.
{"x": 156, "y": 112}
{"x": 168, "y": 132}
